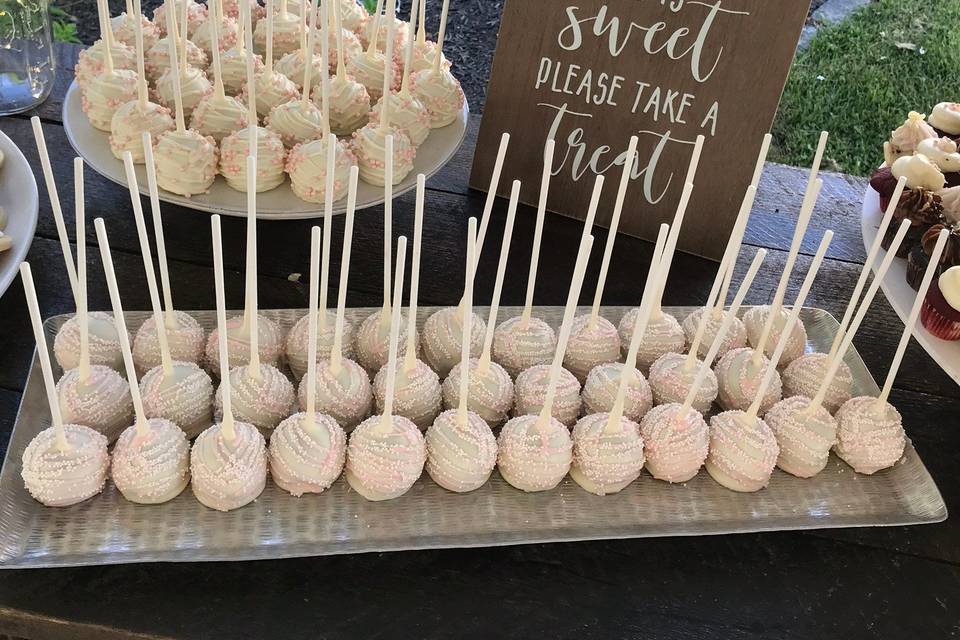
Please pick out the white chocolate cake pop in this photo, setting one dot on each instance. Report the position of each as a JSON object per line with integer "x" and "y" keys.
{"x": 194, "y": 87}
{"x": 755, "y": 319}
{"x": 441, "y": 338}
{"x": 124, "y": 27}
{"x": 278, "y": 31}
{"x": 736, "y": 337}
{"x": 805, "y": 439}
{"x": 218, "y": 115}
{"x": 270, "y": 86}
{"x": 742, "y": 453}
{"x": 106, "y": 92}
{"x": 387, "y": 452}
{"x": 298, "y": 338}
{"x": 294, "y": 64}
{"x": 233, "y": 66}
{"x": 367, "y": 68}
{"x": 224, "y": 32}
{"x": 353, "y": 16}
{"x": 803, "y": 376}
{"x": 530, "y": 393}
{"x": 157, "y": 59}
{"x": 235, "y": 9}
{"x": 424, "y": 50}
{"x": 90, "y": 62}
{"x": 307, "y": 166}
{"x": 436, "y": 88}
{"x": 664, "y": 335}
{"x": 184, "y": 397}
{"x": 347, "y": 99}
{"x": 104, "y": 344}
{"x": 196, "y": 14}
{"x": 185, "y": 339}
{"x": 676, "y": 442}
{"x": 345, "y": 395}
{"x": 606, "y": 460}
{"x": 738, "y": 378}
{"x": 269, "y": 342}
{"x": 670, "y": 380}
{"x": 307, "y": 453}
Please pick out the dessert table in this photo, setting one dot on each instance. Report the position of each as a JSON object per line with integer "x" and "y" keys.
{"x": 871, "y": 582}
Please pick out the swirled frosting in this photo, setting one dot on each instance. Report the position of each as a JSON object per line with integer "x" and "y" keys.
{"x": 58, "y": 478}
{"x": 489, "y": 391}
{"x": 186, "y": 162}
{"x": 676, "y": 444}
{"x": 151, "y": 469}
{"x": 423, "y": 56}
{"x": 440, "y": 93}
{"x": 442, "y": 338}
{"x": 299, "y": 334}
{"x": 349, "y": 104}
{"x": 346, "y": 395}
{"x": 591, "y": 344}
{"x": 185, "y": 340}
{"x": 606, "y": 461}
{"x": 946, "y": 117}
{"x": 103, "y": 343}
{"x": 416, "y": 395}
{"x": 602, "y": 385}
{"x": 383, "y": 463}
{"x": 530, "y": 391}
{"x": 307, "y": 166}
{"x": 406, "y": 114}
{"x": 90, "y": 61}
{"x": 943, "y": 153}
{"x": 271, "y": 159}
{"x": 307, "y": 455}
{"x": 194, "y": 87}
{"x": 218, "y": 116}
{"x": 754, "y": 320}
{"x": 460, "y": 456}
{"x": 735, "y": 337}
{"x": 805, "y": 374}
{"x": 367, "y": 68}
{"x": 228, "y": 474}
{"x": 233, "y": 70}
{"x": 742, "y": 455}
{"x": 101, "y": 402}
{"x": 920, "y": 172}
{"x": 670, "y": 382}
{"x": 804, "y": 440}
{"x": 369, "y": 145}
{"x": 269, "y": 342}
{"x": 124, "y": 27}
{"x": 262, "y": 400}
{"x": 293, "y": 65}
{"x": 905, "y": 138}
{"x": 129, "y": 123}
{"x": 738, "y": 380}
{"x": 157, "y": 58}
{"x": 869, "y": 439}
{"x": 534, "y": 457}
{"x": 105, "y": 94}
{"x": 296, "y": 121}
{"x": 227, "y": 32}
{"x": 185, "y": 397}
{"x": 663, "y": 335}
{"x": 518, "y": 346}
{"x": 272, "y": 89}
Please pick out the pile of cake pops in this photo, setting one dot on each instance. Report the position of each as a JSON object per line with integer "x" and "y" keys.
{"x": 211, "y": 82}
{"x": 460, "y": 395}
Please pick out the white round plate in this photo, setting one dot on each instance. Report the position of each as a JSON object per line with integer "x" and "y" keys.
{"x": 901, "y": 295}
{"x": 18, "y": 197}
{"x": 277, "y": 204}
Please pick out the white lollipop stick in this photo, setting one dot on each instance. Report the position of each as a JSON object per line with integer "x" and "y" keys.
{"x": 758, "y": 259}
{"x": 387, "y": 417}
{"x": 912, "y": 318}
{"x": 324, "y": 66}
{"x": 629, "y": 162}
{"x": 388, "y": 71}
{"x": 408, "y": 51}
{"x": 308, "y": 52}
{"x": 336, "y": 354}
{"x": 129, "y": 6}
{"x": 592, "y": 207}
{"x": 268, "y": 62}
{"x": 43, "y": 354}
{"x": 327, "y": 227}
{"x": 242, "y": 28}
{"x": 226, "y": 423}
{"x": 215, "y": 46}
{"x": 252, "y": 118}
{"x": 792, "y": 320}
{"x": 312, "y": 325}
{"x": 175, "y": 73}
{"x": 375, "y": 36}
{"x": 639, "y": 328}
{"x": 761, "y": 160}
{"x": 387, "y": 230}
{"x": 183, "y": 36}
{"x": 421, "y": 23}
{"x": 145, "y": 252}
{"x": 865, "y": 272}
{"x": 726, "y": 267}
{"x": 410, "y": 355}
{"x": 151, "y": 167}
{"x": 583, "y": 257}
{"x": 670, "y": 247}
{"x": 142, "y": 426}
{"x": 83, "y": 317}
{"x": 858, "y": 318}
{"x": 485, "y": 355}
{"x": 441, "y": 35}
{"x": 805, "y": 212}
{"x": 107, "y": 34}
{"x": 138, "y": 40}
{"x": 746, "y": 206}
{"x": 341, "y": 64}
{"x": 537, "y": 231}
{"x": 467, "y": 322}
{"x": 491, "y": 195}
{"x": 55, "y": 206}
{"x": 251, "y": 322}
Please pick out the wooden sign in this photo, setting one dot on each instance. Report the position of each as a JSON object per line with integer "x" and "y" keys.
{"x": 591, "y": 73}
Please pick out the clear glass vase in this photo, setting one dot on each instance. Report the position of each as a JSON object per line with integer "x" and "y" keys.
{"x": 26, "y": 55}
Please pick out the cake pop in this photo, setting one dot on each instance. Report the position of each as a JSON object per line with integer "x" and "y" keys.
{"x": 348, "y": 100}
{"x": 91, "y": 60}
{"x": 217, "y": 115}
{"x": 186, "y": 162}
{"x": 294, "y": 64}
{"x": 673, "y": 374}
{"x": 461, "y": 449}
{"x": 235, "y": 9}
{"x": 369, "y": 67}
{"x": 191, "y": 82}
{"x": 262, "y": 395}
{"x": 594, "y": 339}
{"x": 270, "y": 86}
{"x": 407, "y": 113}
{"x": 534, "y": 452}
{"x": 443, "y": 329}
{"x": 600, "y": 392}
{"x": 870, "y": 435}
{"x": 424, "y": 50}
{"x": 125, "y": 26}
{"x": 342, "y": 386}
{"x": 524, "y": 341}
{"x": 340, "y": 40}
{"x": 743, "y": 448}
{"x": 177, "y": 391}
{"x": 228, "y": 462}
{"x": 308, "y": 449}
{"x": 110, "y": 88}
{"x": 664, "y": 333}
{"x": 386, "y": 453}
{"x": 803, "y": 376}
{"x": 353, "y": 16}
{"x": 65, "y": 463}
{"x": 300, "y": 120}
{"x": 196, "y": 14}
{"x": 151, "y": 458}
{"x": 157, "y": 58}
{"x": 93, "y": 395}
{"x": 216, "y": 28}
{"x": 184, "y": 336}
{"x": 381, "y": 23}
{"x": 490, "y": 392}
{"x": 298, "y": 336}
{"x": 374, "y": 332}
{"x": 436, "y": 88}
{"x": 279, "y": 32}
{"x": 138, "y": 116}
{"x": 266, "y": 145}
{"x": 767, "y": 321}
{"x": 233, "y": 62}
{"x": 417, "y": 391}
{"x": 676, "y": 437}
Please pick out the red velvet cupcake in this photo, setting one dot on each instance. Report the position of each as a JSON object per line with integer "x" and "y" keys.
{"x": 940, "y": 313}
{"x": 884, "y": 184}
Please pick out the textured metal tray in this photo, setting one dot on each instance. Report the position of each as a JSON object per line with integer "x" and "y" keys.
{"x": 109, "y": 530}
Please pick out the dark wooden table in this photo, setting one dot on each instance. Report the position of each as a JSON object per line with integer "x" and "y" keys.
{"x": 893, "y": 582}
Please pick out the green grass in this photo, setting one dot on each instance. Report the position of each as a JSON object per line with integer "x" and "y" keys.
{"x": 859, "y": 79}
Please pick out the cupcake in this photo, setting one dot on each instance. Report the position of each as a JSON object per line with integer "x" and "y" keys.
{"x": 950, "y": 201}
{"x": 945, "y": 119}
{"x": 943, "y": 153}
{"x": 883, "y": 182}
{"x": 919, "y": 256}
{"x": 940, "y": 313}
{"x": 905, "y": 139}
{"x": 923, "y": 208}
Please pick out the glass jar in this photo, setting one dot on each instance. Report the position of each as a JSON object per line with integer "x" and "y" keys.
{"x": 26, "y": 55}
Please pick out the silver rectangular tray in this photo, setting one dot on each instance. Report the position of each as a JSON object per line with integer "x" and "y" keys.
{"x": 109, "y": 530}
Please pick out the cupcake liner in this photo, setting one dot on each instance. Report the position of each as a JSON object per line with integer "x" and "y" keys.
{"x": 917, "y": 262}
{"x": 937, "y": 324}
